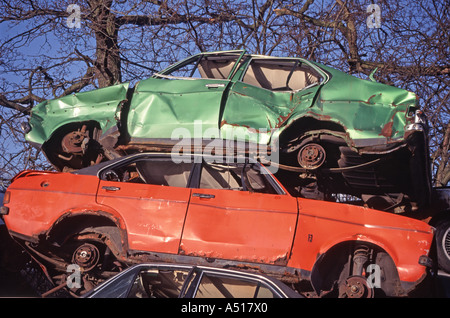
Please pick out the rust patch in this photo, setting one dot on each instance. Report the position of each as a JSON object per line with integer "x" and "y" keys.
{"x": 387, "y": 130}
{"x": 282, "y": 119}
{"x": 321, "y": 117}
{"x": 281, "y": 260}
{"x": 250, "y": 129}
{"x": 224, "y": 122}
{"x": 368, "y": 101}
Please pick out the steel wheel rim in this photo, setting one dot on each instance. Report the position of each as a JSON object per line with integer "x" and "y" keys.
{"x": 446, "y": 243}
{"x": 86, "y": 256}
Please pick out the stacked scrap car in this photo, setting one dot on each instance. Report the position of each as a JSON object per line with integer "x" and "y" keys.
{"x": 162, "y": 280}
{"x": 223, "y": 212}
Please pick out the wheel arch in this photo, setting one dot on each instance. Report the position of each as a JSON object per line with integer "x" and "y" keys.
{"x": 441, "y": 216}
{"x": 99, "y": 225}
{"x": 68, "y": 125}
{"x": 304, "y": 124}
{"x": 330, "y": 264}
{"x": 52, "y": 147}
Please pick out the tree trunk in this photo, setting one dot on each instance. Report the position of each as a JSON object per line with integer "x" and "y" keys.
{"x": 107, "y": 65}
{"x": 443, "y": 171}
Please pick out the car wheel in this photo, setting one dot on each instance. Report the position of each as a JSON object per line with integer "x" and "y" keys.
{"x": 443, "y": 244}
{"x": 74, "y": 146}
{"x": 355, "y": 287}
{"x": 91, "y": 263}
{"x": 352, "y": 282}
{"x": 356, "y": 270}
{"x": 311, "y": 156}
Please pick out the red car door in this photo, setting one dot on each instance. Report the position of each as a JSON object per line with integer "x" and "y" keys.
{"x": 230, "y": 219}
{"x": 152, "y": 197}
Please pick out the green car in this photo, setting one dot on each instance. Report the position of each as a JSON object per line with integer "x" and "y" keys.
{"x": 322, "y": 131}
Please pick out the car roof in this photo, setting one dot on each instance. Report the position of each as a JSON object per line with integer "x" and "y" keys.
{"x": 277, "y": 284}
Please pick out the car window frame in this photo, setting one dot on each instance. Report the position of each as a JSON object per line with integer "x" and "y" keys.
{"x": 165, "y": 267}
{"x": 198, "y": 57}
{"x": 195, "y": 176}
{"x": 198, "y": 274}
{"x": 121, "y": 163}
{"x": 323, "y": 77}
{"x": 195, "y": 173}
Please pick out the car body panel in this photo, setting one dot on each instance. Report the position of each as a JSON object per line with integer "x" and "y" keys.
{"x": 265, "y": 110}
{"x": 230, "y": 233}
{"x": 39, "y": 191}
{"x": 276, "y": 231}
{"x": 159, "y": 222}
{"x": 102, "y": 105}
{"x": 160, "y": 106}
{"x": 255, "y": 112}
{"x": 322, "y": 225}
{"x": 372, "y": 113}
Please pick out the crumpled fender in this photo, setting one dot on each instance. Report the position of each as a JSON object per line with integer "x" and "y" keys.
{"x": 100, "y": 105}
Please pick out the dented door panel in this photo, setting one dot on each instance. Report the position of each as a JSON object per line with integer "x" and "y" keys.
{"x": 229, "y": 224}
{"x": 253, "y": 113}
{"x": 153, "y": 214}
{"x": 160, "y": 106}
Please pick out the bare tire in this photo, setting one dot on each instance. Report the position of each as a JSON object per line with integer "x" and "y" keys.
{"x": 443, "y": 245}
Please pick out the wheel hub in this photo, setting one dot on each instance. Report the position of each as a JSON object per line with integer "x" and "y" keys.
{"x": 86, "y": 256}
{"x": 74, "y": 142}
{"x": 355, "y": 287}
{"x": 311, "y": 156}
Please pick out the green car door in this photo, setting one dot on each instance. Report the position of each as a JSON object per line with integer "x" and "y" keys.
{"x": 184, "y": 99}
{"x": 268, "y": 92}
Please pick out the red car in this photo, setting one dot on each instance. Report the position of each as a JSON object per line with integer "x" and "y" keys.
{"x": 215, "y": 211}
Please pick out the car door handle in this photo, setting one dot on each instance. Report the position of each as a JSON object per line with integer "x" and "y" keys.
{"x": 109, "y": 188}
{"x": 203, "y": 195}
{"x": 215, "y": 85}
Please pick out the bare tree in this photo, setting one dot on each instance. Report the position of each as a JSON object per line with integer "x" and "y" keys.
{"x": 42, "y": 56}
